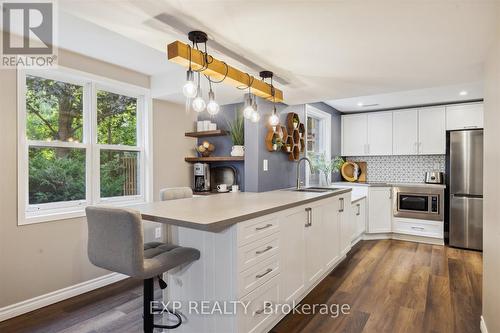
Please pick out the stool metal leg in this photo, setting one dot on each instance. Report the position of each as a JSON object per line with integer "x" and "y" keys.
{"x": 148, "y": 298}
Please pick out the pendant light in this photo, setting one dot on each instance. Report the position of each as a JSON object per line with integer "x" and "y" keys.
{"x": 255, "y": 115}
{"x": 274, "y": 118}
{"x": 212, "y": 106}
{"x": 248, "y": 109}
{"x": 199, "y": 103}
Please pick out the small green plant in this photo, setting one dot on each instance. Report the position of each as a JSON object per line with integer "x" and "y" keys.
{"x": 237, "y": 129}
{"x": 320, "y": 163}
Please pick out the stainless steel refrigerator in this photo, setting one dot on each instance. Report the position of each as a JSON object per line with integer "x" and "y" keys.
{"x": 465, "y": 180}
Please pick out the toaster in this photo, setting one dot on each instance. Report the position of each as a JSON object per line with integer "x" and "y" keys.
{"x": 434, "y": 177}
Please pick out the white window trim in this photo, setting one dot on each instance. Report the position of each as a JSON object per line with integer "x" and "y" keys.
{"x": 72, "y": 209}
{"x": 326, "y": 132}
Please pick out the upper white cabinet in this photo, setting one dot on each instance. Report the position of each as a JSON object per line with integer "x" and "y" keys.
{"x": 405, "y": 132}
{"x": 432, "y": 131}
{"x": 354, "y": 135}
{"x": 379, "y": 133}
{"x": 464, "y": 116}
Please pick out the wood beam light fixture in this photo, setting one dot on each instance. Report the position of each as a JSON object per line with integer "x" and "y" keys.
{"x": 199, "y": 62}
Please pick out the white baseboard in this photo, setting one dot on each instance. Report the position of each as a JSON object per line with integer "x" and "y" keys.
{"x": 483, "y": 326}
{"x": 409, "y": 238}
{"x": 38, "y": 302}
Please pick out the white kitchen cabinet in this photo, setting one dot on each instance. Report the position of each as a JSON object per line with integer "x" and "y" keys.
{"x": 432, "y": 131}
{"x": 405, "y": 132}
{"x": 292, "y": 255}
{"x": 331, "y": 239}
{"x": 354, "y": 135}
{"x": 464, "y": 116}
{"x": 379, "y": 209}
{"x": 314, "y": 229}
{"x": 379, "y": 133}
{"x": 358, "y": 216}
{"x": 346, "y": 223}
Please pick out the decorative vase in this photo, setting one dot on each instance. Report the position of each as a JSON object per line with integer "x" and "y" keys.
{"x": 238, "y": 151}
{"x": 324, "y": 179}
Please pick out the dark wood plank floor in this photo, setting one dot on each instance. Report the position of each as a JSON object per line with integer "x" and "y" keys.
{"x": 391, "y": 286}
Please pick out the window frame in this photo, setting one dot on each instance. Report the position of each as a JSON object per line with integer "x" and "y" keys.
{"x": 325, "y": 120}
{"x": 29, "y": 214}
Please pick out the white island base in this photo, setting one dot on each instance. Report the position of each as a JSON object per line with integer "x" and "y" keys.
{"x": 275, "y": 258}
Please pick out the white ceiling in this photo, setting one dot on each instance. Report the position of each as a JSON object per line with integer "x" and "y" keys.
{"x": 436, "y": 95}
{"x": 325, "y": 50}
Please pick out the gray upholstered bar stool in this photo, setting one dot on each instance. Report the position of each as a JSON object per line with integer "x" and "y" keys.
{"x": 116, "y": 243}
{"x": 173, "y": 193}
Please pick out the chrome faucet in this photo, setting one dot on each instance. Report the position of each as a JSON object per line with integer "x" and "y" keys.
{"x": 298, "y": 169}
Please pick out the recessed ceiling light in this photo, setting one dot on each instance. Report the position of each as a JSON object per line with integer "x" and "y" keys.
{"x": 463, "y": 93}
{"x": 360, "y": 104}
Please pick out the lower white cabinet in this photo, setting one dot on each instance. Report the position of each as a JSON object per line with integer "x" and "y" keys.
{"x": 379, "y": 209}
{"x": 358, "y": 218}
{"x": 277, "y": 258}
{"x": 424, "y": 228}
{"x": 345, "y": 222}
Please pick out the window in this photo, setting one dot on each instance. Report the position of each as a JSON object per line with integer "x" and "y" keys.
{"x": 318, "y": 138}
{"x": 81, "y": 142}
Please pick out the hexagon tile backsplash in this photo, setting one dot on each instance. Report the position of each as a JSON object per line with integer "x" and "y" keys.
{"x": 404, "y": 169}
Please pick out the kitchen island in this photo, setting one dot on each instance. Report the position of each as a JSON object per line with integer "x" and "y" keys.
{"x": 255, "y": 248}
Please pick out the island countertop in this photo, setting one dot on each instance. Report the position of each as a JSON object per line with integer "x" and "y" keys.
{"x": 217, "y": 212}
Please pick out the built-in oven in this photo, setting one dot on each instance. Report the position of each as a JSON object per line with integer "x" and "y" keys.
{"x": 419, "y": 202}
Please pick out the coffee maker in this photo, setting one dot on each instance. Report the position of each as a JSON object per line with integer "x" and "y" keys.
{"x": 201, "y": 177}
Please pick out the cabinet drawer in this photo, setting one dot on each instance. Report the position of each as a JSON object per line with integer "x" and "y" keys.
{"x": 253, "y": 253}
{"x": 255, "y": 320}
{"x": 432, "y": 229}
{"x": 253, "y": 230}
{"x": 257, "y": 275}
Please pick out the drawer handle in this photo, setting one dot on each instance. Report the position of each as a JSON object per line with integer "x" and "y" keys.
{"x": 418, "y": 228}
{"x": 263, "y": 251}
{"x": 341, "y": 205}
{"x": 264, "y": 227}
{"x": 269, "y": 270}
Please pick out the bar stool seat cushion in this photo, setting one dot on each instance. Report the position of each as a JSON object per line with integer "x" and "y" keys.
{"x": 161, "y": 257}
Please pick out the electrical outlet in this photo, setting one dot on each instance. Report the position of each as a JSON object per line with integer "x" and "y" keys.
{"x": 265, "y": 165}
{"x": 158, "y": 232}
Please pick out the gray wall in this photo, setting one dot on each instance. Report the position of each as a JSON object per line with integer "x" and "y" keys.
{"x": 281, "y": 172}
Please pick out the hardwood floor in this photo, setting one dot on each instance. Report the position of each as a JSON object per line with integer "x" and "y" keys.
{"x": 396, "y": 286}
{"x": 391, "y": 286}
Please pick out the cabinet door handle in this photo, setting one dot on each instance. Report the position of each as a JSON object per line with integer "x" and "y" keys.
{"x": 416, "y": 147}
{"x": 309, "y": 217}
{"x": 264, "y": 227}
{"x": 269, "y": 270}
{"x": 390, "y": 194}
{"x": 341, "y": 205}
{"x": 265, "y": 250}
{"x": 418, "y": 228}
{"x": 359, "y": 210}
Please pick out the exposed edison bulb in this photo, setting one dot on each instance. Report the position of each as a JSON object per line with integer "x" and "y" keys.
{"x": 212, "y": 106}
{"x": 255, "y": 117}
{"x": 199, "y": 103}
{"x": 274, "y": 120}
{"x": 189, "y": 89}
{"x": 248, "y": 111}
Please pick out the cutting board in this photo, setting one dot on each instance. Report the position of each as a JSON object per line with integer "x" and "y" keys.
{"x": 348, "y": 169}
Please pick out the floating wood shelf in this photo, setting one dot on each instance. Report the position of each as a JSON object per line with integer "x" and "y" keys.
{"x": 214, "y": 159}
{"x": 202, "y": 134}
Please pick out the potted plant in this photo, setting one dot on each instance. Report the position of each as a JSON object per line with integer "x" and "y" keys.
{"x": 325, "y": 167}
{"x": 237, "y": 133}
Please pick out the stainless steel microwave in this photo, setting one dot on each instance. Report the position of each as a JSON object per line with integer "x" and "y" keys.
{"x": 419, "y": 202}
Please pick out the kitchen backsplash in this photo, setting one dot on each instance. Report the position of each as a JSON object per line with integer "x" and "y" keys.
{"x": 404, "y": 169}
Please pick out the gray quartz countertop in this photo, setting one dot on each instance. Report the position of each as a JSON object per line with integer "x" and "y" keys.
{"x": 217, "y": 212}
{"x": 389, "y": 184}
